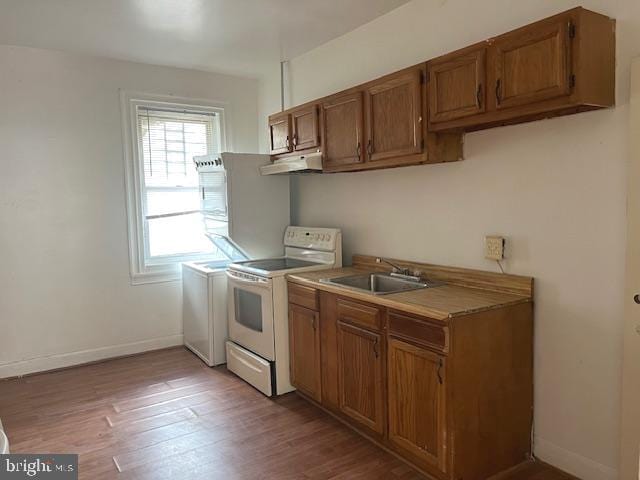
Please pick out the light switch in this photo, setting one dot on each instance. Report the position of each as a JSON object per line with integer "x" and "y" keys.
{"x": 494, "y": 247}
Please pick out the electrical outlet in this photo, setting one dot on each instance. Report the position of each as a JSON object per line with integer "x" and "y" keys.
{"x": 494, "y": 248}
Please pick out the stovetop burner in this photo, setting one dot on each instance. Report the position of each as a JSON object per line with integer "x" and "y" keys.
{"x": 275, "y": 264}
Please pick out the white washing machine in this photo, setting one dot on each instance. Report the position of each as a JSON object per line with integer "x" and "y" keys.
{"x": 204, "y": 302}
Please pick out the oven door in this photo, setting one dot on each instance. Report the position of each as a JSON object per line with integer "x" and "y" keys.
{"x": 251, "y": 313}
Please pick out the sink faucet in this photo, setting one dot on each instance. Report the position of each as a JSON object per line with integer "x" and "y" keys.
{"x": 396, "y": 268}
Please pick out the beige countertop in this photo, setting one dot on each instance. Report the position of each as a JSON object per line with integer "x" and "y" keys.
{"x": 440, "y": 303}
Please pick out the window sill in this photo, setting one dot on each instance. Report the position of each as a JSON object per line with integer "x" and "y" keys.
{"x": 165, "y": 276}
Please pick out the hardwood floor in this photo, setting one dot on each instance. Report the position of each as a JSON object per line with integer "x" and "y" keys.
{"x": 165, "y": 415}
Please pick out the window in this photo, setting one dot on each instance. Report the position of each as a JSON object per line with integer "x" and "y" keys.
{"x": 166, "y": 223}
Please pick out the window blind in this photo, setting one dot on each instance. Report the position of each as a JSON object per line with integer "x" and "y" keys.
{"x": 168, "y": 140}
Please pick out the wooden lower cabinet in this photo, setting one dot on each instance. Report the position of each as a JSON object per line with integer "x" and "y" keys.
{"x": 417, "y": 403}
{"x": 360, "y": 376}
{"x": 304, "y": 351}
{"x": 453, "y": 397}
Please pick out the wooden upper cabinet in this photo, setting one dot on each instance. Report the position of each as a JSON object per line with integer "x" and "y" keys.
{"x": 360, "y": 376}
{"x": 394, "y": 115}
{"x": 417, "y": 413}
{"x": 533, "y": 64}
{"x": 304, "y": 122}
{"x": 561, "y": 65}
{"x": 280, "y": 133}
{"x": 342, "y": 130}
{"x": 557, "y": 66}
{"x": 304, "y": 351}
{"x": 457, "y": 85}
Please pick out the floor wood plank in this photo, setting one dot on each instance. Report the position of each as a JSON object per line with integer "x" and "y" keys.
{"x": 165, "y": 415}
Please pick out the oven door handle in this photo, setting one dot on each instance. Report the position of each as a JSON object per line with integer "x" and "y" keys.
{"x": 253, "y": 283}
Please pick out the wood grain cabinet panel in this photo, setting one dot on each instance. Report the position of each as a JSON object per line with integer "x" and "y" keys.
{"x": 329, "y": 350}
{"x": 417, "y": 401}
{"x": 419, "y": 330}
{"x": 360, "y": 376}
{"x": 304, "y": 351}
{"x": 303, "y": 296}
{"x": 561, "y": 65}
{"x": 458, "y": 85}
{"x": 306, "y": 133}
{"x": 280, "y": 133}
{"x": 342, "y": 130}
{"x": 533, "y": 64}
{"x": 394, "y": 116}
{"x": 359, "y": 314}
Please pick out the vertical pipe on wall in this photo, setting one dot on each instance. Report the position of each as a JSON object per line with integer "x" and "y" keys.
{"x": 282, "y": 85}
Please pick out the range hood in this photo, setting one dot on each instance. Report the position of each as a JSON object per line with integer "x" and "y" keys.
{"x": 300, "y": 164}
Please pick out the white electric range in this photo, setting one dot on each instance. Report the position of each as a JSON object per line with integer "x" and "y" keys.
{"x": 258, "y": 345}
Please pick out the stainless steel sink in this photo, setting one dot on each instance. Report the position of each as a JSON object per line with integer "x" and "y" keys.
{"x": 379, "y": 283}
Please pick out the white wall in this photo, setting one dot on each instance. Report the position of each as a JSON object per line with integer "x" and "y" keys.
{"x": 65, "y": 294}
{"x": 554, "y": 188}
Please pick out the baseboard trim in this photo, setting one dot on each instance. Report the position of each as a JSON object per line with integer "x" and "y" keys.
{"x": 64, "y": 360}
{"x": 573, "y": 463}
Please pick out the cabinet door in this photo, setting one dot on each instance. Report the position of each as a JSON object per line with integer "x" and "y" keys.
{"x": 417, "y": 422}
{"x": 304, "y": 346}
{"x": 532, "y": 64}
{"x": 394, "y": 116}
{"x": 280, "y": 133}
{"x": 457, "y": 86}
{"x": 342, "y": 130}
{"x": 360, "y": 376}
{"x": 304, "y": 122}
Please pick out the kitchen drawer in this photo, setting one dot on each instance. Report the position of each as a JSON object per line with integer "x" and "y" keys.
{"x": 361, "y": 314}
{"x": 303, "y": 296}
{"x": 419, "y": 330}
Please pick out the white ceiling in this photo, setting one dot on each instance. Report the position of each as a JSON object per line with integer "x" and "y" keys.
{"x": 244, "y": 37}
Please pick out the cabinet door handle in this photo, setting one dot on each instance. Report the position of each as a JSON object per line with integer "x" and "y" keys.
{"x": 288, "y": 143}
{"x": 369, "y": 147}
{"x": 479, "y": 96}
{"x": 376, "y": 348}
{"x": 440, "y": 363}
{"x": 358, "y": 150}
{"x": 314, "y": 323}
{"x": 295, "y": 139}
{"x": 498, "y": 91}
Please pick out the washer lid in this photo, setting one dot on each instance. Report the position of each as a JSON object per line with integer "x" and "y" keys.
{"x": 227, "y": 247}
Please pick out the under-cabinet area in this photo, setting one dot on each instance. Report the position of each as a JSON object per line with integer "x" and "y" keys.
{"x": 441, "y": 376}
{"x": 561, "y": 65}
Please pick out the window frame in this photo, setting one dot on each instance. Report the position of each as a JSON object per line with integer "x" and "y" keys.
{"x": 140, "y": 271}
